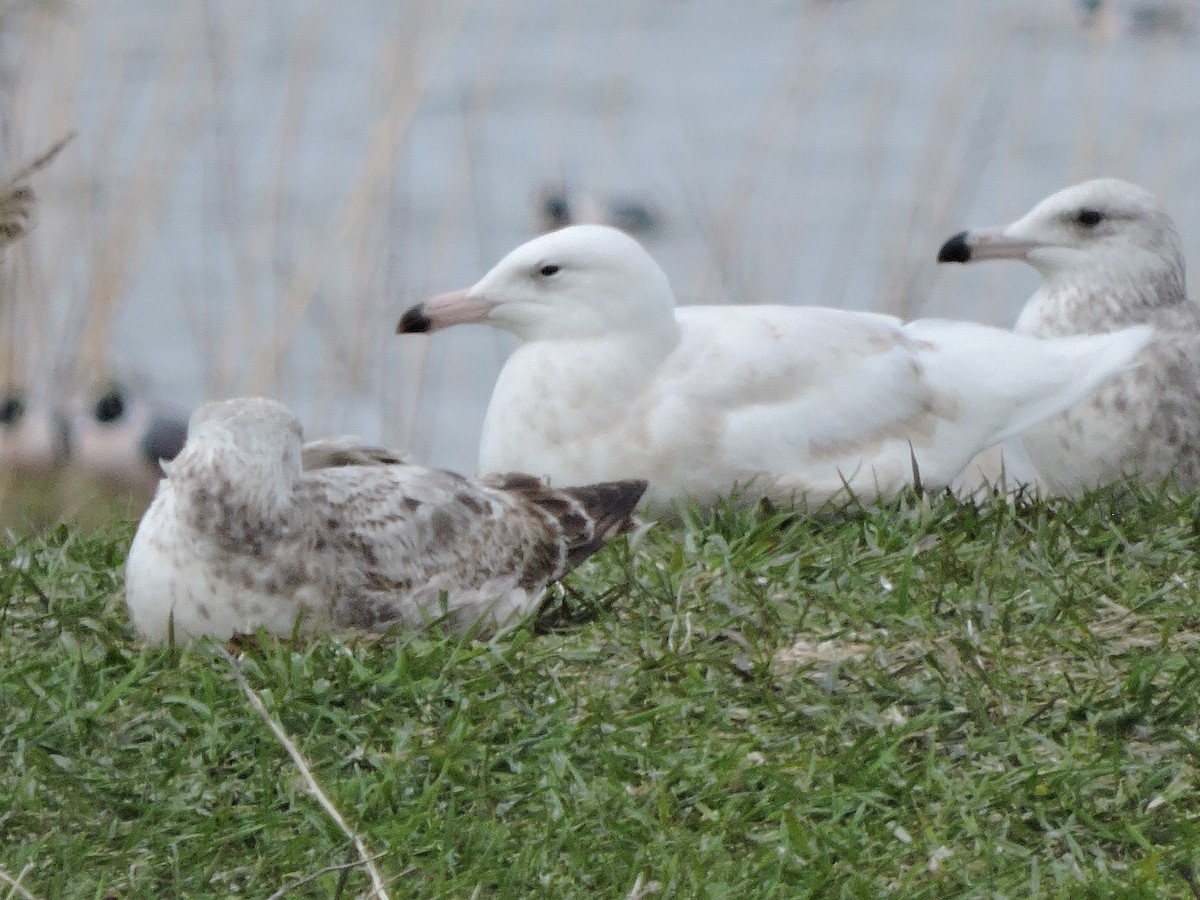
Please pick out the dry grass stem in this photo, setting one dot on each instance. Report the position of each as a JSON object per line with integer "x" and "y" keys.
{"x": 643, "y": 888}
{"x": 41, "y": 161}
{"x": 366, "y": 857}
{"x": 349, "y": 223}
{"x": 14, "y": 884}
{"x": 785, "y": 105}
{"x": 308, "y": 879}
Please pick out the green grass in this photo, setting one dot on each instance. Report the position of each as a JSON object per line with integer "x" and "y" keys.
{"x": 929, "y": 699}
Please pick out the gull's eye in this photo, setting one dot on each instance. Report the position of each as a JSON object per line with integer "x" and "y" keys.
{"x": 547, "y": 270}
{"x": 1089, "y": 218}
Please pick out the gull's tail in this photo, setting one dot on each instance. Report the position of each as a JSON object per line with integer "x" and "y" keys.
{"x": 587, "y": 516}
{"x": 1010, "y": 382}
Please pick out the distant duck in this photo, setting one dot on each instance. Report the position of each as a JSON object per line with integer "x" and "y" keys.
{"x": 119, "y": 437}
{"x": 1143, "y": 18}
{"x": 242, "y": 536}
{"x": 558, "y": 208}
{"x": 33, "y": 435}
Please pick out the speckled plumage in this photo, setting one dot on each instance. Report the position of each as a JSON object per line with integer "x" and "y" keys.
{"x": 240, "y": 537}
{"x": 791, "y": 403}
{"x": 1111, "y": 258}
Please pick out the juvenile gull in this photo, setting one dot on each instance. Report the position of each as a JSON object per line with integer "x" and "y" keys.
{"x": 783, "y": 402}
{"x": 1110, "y": 258}
{"x": 241, "y": 537}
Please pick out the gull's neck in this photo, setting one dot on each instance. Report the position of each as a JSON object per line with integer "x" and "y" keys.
{"x": 553, "y": 394}
{"x": 220, "y": 493}
{"x": 599, "y": 371}
{"x": 1097, "y": 300}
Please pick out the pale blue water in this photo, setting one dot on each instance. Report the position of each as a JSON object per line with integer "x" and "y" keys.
{"x": 811, "y": 152}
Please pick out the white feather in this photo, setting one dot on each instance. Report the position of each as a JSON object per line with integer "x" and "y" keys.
{"x": 612, "y": 381}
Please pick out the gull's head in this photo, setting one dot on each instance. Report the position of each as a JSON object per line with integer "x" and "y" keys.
{"x": 247, "y": 446}
{"x": 579, "y": 282}
{"x": 1101, "y": 230}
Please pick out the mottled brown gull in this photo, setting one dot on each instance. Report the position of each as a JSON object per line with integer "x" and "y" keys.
{"x": 1110, "y": 258}
{"x": 241, "y": 537}
{"x": 784, "y": 402}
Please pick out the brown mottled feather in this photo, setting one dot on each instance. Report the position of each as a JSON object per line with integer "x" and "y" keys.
{"x": 241, "y": 537}
{"x": 331, "y": 453}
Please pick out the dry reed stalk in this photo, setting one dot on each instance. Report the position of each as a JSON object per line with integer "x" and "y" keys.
{"x": 255, "y": 237}
{"x": 18, "y": 203}
{"x": 38, "y": 163}
{"x": 1131, "y": 138}
{"x": 414, "y": 365}
{"x": 557, "y": 103}
{"x": 124, "y": 239}
{"x": 469, "y": 202}
{"x": 347, "y": 223}
{"x": 17, "y": 199}
{"x": 479, "y": 96}
{"x": 54, "y": 52}
{"x": 15, "y": 888}
{"x": 941, "y": 187}
{"x": 993, "y": 307}
{"x": 365, "y": 856}
{"x": 1089, "y": 128}
{"x": 618, "y": 89}
{"x": 879, "y": 118}
{"x": 792, "y": 95}
{"x": 353, "y": 323}
{"x": 474, "y": 103}
{"x": 51, "y": 57}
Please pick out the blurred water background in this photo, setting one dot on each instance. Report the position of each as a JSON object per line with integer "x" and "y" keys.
{"x": 258, "y": 189}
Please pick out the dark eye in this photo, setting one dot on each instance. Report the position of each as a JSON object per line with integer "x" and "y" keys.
{"x": 110, "y": 407}
{"x": 547, "y": 270}
{"x": 1089, "y": 218}
{"x": 11, "y": 409}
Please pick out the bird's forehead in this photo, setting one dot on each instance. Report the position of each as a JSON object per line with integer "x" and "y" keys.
{"x": 579, "y": 244}
{"x": 247, "y": 412}
{"x": 1107, "y": 194}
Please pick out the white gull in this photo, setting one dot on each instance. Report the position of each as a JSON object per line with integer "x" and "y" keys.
{"x": 241, "y": 537}
{"x": 783, "y": 402}
{"x": 1110, "y": 258}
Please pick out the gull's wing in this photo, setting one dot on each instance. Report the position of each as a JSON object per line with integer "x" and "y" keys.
{"x": 346, "y": 451}
{"x": 826, "y": 397}
{"x": 411, "y": 543}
